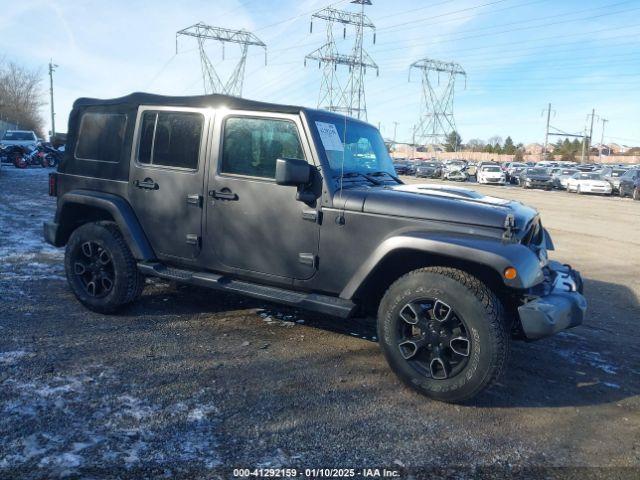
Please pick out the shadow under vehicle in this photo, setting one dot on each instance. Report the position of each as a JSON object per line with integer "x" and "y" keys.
{"x": 303, "y": 207}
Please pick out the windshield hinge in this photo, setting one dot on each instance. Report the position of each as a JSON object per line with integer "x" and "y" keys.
{"x": 509, "y": 227}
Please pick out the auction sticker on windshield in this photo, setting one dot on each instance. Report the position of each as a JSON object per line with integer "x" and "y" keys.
{"x": 329, "y": 136}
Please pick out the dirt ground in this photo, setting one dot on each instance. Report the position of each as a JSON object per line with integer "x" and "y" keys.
{"x": 191, "y": 382}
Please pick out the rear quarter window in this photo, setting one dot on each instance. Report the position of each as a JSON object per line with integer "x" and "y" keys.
{"x": 101, "y": 137}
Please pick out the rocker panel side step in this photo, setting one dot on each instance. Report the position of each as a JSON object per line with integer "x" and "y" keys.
{"x": 311, "y": 301}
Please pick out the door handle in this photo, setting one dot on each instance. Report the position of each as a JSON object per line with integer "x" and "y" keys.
{"x": 147, "y": 184}
{"x": 224, "y": 194}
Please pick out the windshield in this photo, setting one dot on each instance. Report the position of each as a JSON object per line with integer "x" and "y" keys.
{"x": 431, "y": 164}
{"x": 20, "y": 136}
{"x": 491, "y": 169}
{"x": 618, "y": 173}
{"x": 568, "y": 172}
{"x": 352, "y": 146}
{"x": 537, "y": 171}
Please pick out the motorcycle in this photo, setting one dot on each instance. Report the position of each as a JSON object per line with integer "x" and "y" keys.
{"x": 22, "y": 158}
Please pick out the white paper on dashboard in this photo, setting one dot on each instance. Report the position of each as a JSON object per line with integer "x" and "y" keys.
{"x": 329, "y": 136}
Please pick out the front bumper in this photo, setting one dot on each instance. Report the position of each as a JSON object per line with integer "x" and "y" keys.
{"x": 557, "y": 306}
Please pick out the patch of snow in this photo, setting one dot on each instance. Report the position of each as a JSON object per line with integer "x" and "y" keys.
{"x": 9, "y": 358}
{"x": 85, "y": 413}
{"x": 593, "y": 359}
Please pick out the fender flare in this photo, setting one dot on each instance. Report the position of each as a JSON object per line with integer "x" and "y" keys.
{"x": 492, "y": 253}
{"x": 121, "y": 212}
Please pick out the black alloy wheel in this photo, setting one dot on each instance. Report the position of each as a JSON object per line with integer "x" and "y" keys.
{"x": 433, "y": 338}
{"x": 93, "y": 265}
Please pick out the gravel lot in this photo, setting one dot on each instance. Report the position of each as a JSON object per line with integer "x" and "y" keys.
{"x": 189, "y": 381}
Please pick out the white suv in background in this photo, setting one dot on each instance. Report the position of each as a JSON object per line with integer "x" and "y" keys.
{"x": 19, "y": 138}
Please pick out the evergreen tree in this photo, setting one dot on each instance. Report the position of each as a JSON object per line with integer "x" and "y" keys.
{"x": 509, "y": 147}
{"x": 453, "y": 142}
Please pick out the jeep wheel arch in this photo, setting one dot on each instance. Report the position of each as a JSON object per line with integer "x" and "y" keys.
{"x": 81, "y": 206}
{"x": 490, "y": 255}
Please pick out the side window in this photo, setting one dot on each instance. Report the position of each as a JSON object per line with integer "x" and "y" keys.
{"x": 170, "y": 139}
{"x": 251, "y": 146}
{"x": 101, "y": 136}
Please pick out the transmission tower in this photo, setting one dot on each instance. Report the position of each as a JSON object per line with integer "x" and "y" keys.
{"x": 436, "y": 111}
{"x": 211, "y": 79}
{"x": 345, "y": 97}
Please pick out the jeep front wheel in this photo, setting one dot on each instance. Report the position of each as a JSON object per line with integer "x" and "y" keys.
{"x": 443, "y": 333}
{"x": 100, "y": 268}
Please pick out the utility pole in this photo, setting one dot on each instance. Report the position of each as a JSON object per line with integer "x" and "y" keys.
{"x": 546, "y": 135}
{"x": 604, "y": 121}
{"x": 395, "y": 131}
{"x": 588, "y": 147}
{"x": 52, "y": 67}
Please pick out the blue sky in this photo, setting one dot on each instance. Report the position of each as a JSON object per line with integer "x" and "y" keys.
{"x": 519, "y": 55}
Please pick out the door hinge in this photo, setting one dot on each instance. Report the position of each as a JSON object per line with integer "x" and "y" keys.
{"x": 308, "y": 259}
{"x": 195, "y": 199}
{"x": 193, "y": 239}
{"x": 312, "y": 216}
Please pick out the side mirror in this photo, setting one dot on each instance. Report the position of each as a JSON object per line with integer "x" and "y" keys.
{"x": 292, "y": 172}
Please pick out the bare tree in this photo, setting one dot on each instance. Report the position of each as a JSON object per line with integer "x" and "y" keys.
{"x": 496, "y": 140}
{"x": 21, "y": 97}
{"x": 475, "y": 145}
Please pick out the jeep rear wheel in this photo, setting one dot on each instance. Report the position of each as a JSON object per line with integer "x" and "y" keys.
{"x": 100, "y": 268}
{"x": 443, "y": 333}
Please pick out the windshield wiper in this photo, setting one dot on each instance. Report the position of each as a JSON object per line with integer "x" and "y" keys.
{"x": 357, "y": 174}
{"x": 382, "y": 173}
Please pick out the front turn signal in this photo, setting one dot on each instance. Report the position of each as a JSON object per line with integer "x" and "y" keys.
{"x": 510, "y": 273}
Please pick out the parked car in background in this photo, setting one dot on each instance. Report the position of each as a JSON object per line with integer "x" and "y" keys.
{"x": 456, "y": 175}
{"x": 614, "y": 177}
{"x": 589, "y": 182}
{"x": 429, "y": 170}
{"x": 22, "y": 138}
{"x": 562, "y": 176}
{"x": 535, "y": 177}
{"x": 17, "y": 143}
{"x": 587, "y": 167}
{"x": 402, "y": 168}
{"x": 491, "y": 174}
{"x": 472, "y": 169}
{"x": 513, "y": 170}
{"x": 628, "y": 186}
{"x": 453, "y": 169}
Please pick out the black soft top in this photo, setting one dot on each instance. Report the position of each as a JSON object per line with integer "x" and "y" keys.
{"x": 195, "y": 101}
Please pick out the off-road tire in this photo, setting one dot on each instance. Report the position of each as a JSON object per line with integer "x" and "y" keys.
{"x": 128, "y": 282}
{"x": 636, "y": 193}
{"x": 483, "y": 316}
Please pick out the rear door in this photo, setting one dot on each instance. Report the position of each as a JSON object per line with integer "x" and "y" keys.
{"x": 166, "y": 178}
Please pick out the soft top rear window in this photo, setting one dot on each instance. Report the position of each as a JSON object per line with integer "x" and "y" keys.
{"x": 101, "y": 136}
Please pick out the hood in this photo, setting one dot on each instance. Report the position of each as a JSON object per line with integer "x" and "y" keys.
{"x": 437, "y": 203}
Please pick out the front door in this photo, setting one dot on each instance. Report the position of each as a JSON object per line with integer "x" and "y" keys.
{"x": 166, "y": 179}
{"x": 255, "y": 226}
